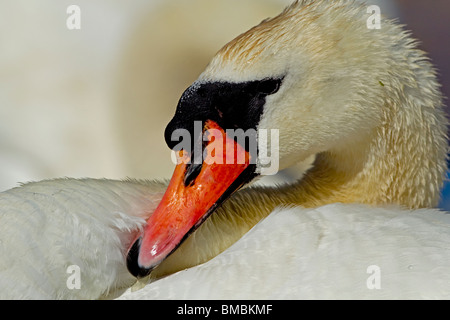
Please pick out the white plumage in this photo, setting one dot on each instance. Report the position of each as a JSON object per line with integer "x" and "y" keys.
{"x": 324, "y": 253}
{"x": 51, "y": 225}
{"x": 301, "y": 253}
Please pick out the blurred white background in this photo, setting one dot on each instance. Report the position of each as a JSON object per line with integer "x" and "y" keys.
{"x": 94, "y": 102}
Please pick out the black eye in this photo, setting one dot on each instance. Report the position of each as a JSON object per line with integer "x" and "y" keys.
{"x": 269, "y": 86}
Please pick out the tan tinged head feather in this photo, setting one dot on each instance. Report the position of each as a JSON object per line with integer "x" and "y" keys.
{"x": 295, "y": 28}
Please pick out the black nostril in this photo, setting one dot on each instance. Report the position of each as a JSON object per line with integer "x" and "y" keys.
{"x": 195, "y": 166}
{"x": 192, "y": 171}
{"x": 132, "y": 261}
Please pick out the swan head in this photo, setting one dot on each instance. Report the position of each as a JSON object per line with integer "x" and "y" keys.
{"x": 319, "y": 77}
{"x": 320, "y": 85}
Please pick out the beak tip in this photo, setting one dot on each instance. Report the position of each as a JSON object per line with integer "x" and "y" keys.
{"x": 132, "y": 261}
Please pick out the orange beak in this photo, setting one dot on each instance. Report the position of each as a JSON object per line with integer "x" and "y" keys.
{"x": 194, "y": 192}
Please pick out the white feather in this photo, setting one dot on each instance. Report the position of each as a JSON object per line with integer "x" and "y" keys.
{"x": 48, "y": 226}
{"x": 324, "y": 253}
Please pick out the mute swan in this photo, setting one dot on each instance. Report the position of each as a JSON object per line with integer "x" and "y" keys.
{"x": 365, "y": 102}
